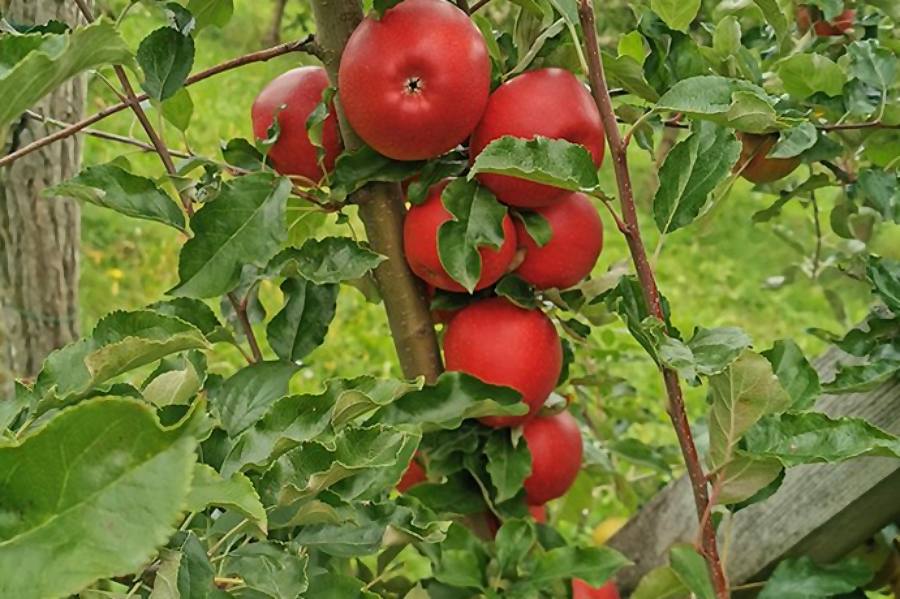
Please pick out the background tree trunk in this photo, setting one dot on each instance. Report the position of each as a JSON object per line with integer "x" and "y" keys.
{"x": 274, "y": 36}
{"x": 39, "y": 237}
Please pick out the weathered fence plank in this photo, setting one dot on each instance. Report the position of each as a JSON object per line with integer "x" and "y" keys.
{"x": 820, "y": 510}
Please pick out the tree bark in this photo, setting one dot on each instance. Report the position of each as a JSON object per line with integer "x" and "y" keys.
{"x": 382, "y": 211}
{"x": 39, "y": 237}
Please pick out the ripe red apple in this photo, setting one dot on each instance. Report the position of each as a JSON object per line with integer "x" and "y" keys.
{"x": 414, "y": 83}
{"x": 414, "y": 475}
{"x": 539, "y": 513}
{"x": 573, "y": 248}
{"x": 582, "y": 590}
{"x": 760, "y": 169}
{"x": 556, "y": 447}
{"x": 503, "y": 344}
{"x": 420, "y": 244}
{"x": 547, "y": 102}
{"x": 299, "y": 91}
{"x": 807, "y": 15}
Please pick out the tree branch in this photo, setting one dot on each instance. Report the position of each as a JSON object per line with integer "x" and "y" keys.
{"x": 876, "y": 124}
{"x": 382, "y": 210}
{"x": 166, "y": 158}
{"x": 307, "y": 45}
{"x": 676, "y": 409}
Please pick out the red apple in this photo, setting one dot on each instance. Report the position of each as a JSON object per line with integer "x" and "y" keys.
{"x": 414, "y": 83}
{"x": 298, "y": 91}
{"x": 573, "y": 248}
{"x": 547, "y": 102}
{"x": 503, "y": 344}
{"x": 420, "y": 244}
{"x": 556, "y": 448}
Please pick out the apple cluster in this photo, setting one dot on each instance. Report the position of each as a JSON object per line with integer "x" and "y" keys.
{"x": 415, "y": 84}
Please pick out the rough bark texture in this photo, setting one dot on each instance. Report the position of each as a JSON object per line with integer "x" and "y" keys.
{"x": 382, "y": 211}
{"x": 39, "y": 237}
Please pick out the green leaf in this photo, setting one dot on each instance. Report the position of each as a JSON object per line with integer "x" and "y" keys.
{"x": 35, "y": 64}
{"x": 555, "y": 162}
{"x": 243, "y": 398}
{"x": 194, "y": 312}
{"x": 445, "y": 167}
{"x": 328, "y": 260}
{"x": 628, "y": 73}
{"x": 244, "y": 225}
{"x": 211, "y": 12}
{"x": 537, "y": 227}
{"x": 774, "y": 15}
{"x": 166, "y": 56}
{"x": 802, "y": 578}
{"x": 176, "y": 381}
{"x": 715, "y": 349}
{"x": 514, "y": 541}
{"x": 241, "y": 153}
{"x": 677, "y": 14}
{"x": 178, "y": 109}
{"x": 302, "y": 324}
{"x": 727, "y": 37}
{"x": 477, "y": 222}
{"x": 360, "y": 463}
{"x": 811, "y": 437}
{"x": 744, "y": 476}
{"x": 691, "y": 569}
{"x": 638, "y": 452}
{"x": 741, "y": 395}
{"x": 884, "y": 274}
{"x": 872, "y": 64}
{"x": 453, "y": 398}
{"x": 691, "y": 171}
{"x": 806, "y": 74}
{"x": 508, "y": 465}
{"x": 865, "y": 377}
{"x": 708, "y": 96}
{"x": 331, "y": 585}
{"x": 594, "y": 565}
{"x": 661, "y": 583}
{"x": 208, "y": 487}
{"x": 794, "y": 141}
{"x": 185, "y": 571}
{"x": 881, "y": 190}
{"x": 128, "y": 340}
{"x": 516, "y": 290}
{"x": 110, "y": 186}
{"x": 355, "y": 168}
{"x": 104, "y": 460}
{"x": 270, "y": 569}
{"x": 795, "y": 373}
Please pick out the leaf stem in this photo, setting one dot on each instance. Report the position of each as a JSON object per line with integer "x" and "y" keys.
{"x": 676, "y": 407}
{"x": 240, "y": 309}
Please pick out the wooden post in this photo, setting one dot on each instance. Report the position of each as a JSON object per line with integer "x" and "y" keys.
{"x": 821, "y": 510}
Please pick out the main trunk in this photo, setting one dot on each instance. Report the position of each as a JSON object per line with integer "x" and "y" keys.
{"x": 39, "y": 236}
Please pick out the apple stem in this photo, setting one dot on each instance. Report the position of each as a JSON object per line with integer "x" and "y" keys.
{"x": 632, "y": 233}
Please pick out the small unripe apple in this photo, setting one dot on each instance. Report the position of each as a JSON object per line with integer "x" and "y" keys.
{"x": 573, "y": 248}
{"x": 753, "y": 164}
{"x": 550, "y": 103}
{"x": 414, "y": 475}
{"x": 582, "y": 590}
{"x": 556, "y": 448}
{"x": 293, "y": 96}
{"x": 503, "y": 344}
{"x": 420, "y": 244}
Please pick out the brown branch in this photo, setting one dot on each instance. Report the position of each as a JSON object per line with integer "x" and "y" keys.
{"x": 382, "y": 211}
{"x": 122, "y": 139}
{"x": 676, "y": 408}
{"x": 166, "y": 157}
{"x": 307, "y": 45}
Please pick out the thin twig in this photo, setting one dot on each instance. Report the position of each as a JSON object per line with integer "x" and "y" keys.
{"x": 307, "y": 45}
{"x": 842, "y": 175}
{"x": 166, "y": 158}
{"x": 876, "y": 124}
{"x": 103, "y": 134}
{"x": 817, "y": 253}
{"x": 676, "y": 408}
